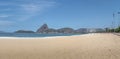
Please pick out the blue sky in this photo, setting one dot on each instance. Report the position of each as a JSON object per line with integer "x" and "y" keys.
{"x": 31, "y": 14}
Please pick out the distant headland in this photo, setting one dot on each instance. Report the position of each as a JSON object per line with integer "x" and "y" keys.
{"x": 44, "y": 29}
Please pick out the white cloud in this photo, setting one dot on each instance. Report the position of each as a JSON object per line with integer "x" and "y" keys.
{"x": 36, "y": 7}
{"x": 30, "y": 8}
{"x": 26, "y": 5}
{"x": 25, "y": 9}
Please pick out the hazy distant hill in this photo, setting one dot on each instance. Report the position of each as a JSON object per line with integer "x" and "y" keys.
{"x": 65, "y": 30}
{"x": 81, "y": 30}
{"x": 24, "y": 31}
{"x": 95, "y": 30}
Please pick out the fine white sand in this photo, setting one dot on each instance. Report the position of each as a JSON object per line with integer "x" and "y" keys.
{"x": 88, "y": 46}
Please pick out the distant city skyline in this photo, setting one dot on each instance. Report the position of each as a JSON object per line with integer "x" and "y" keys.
{"x": 31, "y": 14}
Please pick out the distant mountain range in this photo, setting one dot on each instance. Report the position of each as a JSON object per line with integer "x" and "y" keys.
{"x": 44, "y": 29}
{"x": 24, "y": 31}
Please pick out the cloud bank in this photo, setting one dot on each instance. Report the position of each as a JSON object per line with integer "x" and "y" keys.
{"x": 16, "y": 11}
{"x": 23, "y": 9}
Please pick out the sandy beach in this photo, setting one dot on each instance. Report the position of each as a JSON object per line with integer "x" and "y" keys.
{"x": 88, "y": 46}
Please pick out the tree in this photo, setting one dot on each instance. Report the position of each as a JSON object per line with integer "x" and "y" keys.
{"x": 117, "y": 29}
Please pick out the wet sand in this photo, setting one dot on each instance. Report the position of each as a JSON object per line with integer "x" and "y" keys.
{"x": 88, "y": 46}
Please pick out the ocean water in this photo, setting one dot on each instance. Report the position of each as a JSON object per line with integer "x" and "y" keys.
{"x": 32, "y": 35}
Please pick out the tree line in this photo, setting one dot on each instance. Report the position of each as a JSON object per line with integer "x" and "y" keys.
{"x": 117, "y": 30}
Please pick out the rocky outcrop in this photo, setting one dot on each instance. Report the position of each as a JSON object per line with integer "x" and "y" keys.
{"x": 24, "y": 31}
{"x": 43, "y": 29}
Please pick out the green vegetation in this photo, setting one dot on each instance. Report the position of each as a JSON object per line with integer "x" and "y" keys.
{"x": 117, "y": 30}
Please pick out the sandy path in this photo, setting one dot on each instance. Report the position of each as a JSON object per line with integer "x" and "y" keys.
{"x": 89, "y": 46}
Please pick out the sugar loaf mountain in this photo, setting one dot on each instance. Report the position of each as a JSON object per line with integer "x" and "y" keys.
{"x": 44, "y": 29}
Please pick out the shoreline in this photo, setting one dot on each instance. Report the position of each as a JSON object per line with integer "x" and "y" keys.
{"x": 44, "y": 37}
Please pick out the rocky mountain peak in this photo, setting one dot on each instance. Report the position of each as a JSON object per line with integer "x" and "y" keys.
{"x": 43, "y": 28}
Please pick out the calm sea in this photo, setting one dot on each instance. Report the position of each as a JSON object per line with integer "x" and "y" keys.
{"x": 32, "y": 35}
